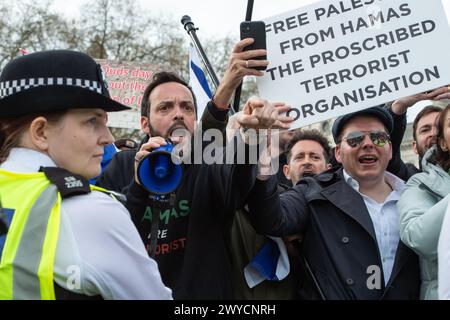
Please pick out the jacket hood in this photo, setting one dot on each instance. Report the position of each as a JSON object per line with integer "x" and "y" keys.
{"x": 437, "y": 179}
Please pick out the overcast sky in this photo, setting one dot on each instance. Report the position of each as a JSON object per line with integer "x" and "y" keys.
{"x": 213, "y": 17}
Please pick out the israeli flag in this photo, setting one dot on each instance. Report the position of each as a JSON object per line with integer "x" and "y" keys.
{"x": 197, "y": 81}
{"x": 271, "y": 263}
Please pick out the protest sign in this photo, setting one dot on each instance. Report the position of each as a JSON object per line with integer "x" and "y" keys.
{"x": 127, "y": 82}
{"x": 335, "y": 57}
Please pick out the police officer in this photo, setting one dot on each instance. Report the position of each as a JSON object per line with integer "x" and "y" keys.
{"x": 64, "y": 239}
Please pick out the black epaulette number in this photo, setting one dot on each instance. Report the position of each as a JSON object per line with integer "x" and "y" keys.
{"x": 68, "y": 183}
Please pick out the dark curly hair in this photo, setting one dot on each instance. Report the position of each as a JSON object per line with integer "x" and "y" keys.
{"x": 160, "y": 78}
{"x": 313, "y": 135}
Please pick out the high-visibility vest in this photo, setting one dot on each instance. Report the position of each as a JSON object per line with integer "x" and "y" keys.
{"x": 31, "y": 206}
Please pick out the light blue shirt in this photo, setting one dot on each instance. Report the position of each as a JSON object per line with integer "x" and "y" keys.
{"x": 384, "y": 217}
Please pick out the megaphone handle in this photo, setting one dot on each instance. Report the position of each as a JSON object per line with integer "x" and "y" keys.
{"x": 154, "y": 228}
{"x": 159, "y": 203}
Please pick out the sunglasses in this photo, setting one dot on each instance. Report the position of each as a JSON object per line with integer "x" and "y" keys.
{"x": 378, "y": 138}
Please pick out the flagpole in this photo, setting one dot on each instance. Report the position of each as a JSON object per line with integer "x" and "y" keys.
{"x": 237, "y": 93}
{"x": 191, "y": 30}
{"x": 248, "y": 15}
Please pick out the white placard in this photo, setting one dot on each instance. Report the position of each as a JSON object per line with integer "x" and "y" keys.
{"x": 336, "y": 57}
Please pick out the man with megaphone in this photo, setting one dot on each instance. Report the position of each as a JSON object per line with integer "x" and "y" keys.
{"x": 192, "y": 228}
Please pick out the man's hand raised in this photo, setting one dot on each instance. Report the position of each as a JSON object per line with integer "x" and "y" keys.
{"x": 259, "y": 114}
{"x": 241, "y": 64}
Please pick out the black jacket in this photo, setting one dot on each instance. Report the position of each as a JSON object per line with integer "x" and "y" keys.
{"x": 339, "y": 241}
{"x": 194, "y": 233}
{"x": 193, "y": 249}
{"x": 119, "y": 173}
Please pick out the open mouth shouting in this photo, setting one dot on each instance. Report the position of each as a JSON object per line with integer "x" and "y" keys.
{"x": 177, "y": 133}
{"x": 368, "y": 159}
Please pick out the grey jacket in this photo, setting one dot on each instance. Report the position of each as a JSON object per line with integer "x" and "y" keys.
{"x": 421, "y": 212}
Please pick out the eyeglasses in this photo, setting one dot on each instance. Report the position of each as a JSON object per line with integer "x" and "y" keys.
{"x": 378, "y": 138}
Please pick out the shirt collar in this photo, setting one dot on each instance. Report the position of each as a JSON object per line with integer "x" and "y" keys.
{"x": 26, "y": 160}
{"x": 397, "y": 184}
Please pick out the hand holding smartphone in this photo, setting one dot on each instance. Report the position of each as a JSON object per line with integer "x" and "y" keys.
{"x": 257, "y": 31}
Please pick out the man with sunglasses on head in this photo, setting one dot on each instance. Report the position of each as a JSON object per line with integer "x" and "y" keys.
{"x": 347, "y": 217}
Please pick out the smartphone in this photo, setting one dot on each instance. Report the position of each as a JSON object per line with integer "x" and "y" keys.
{"x": 257, "y": 31}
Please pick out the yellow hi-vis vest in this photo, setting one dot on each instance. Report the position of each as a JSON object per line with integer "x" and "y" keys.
{"x": 31, "y": 205}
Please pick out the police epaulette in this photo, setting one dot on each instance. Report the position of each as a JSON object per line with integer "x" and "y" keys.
{"x": 68, "y": 183}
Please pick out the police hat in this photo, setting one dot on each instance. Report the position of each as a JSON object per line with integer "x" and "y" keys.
{"x": 379, "y": 112}
{"x": 53, "y": 81}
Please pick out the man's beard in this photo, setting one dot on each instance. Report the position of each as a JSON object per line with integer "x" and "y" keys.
{"x": 154, "y": 133}
{"x": 181, "y": 139}
{"x": 421, "y": 150}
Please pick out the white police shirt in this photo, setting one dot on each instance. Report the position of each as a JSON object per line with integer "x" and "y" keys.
{"x": 99, "y": 250}
{"x": 384, "y": 217}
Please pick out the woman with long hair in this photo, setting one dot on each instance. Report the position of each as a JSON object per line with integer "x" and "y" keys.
{"x": 422, "y": 207}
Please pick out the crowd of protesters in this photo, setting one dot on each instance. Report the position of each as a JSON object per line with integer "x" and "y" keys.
{"x": 300, "y": 220}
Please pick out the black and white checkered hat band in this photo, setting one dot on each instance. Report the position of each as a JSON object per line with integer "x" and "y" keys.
{"x": 8, "y": 88}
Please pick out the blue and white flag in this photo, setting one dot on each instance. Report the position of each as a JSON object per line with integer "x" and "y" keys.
{"x": 270, "y": 263}
{"x": 197, "y": 80}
